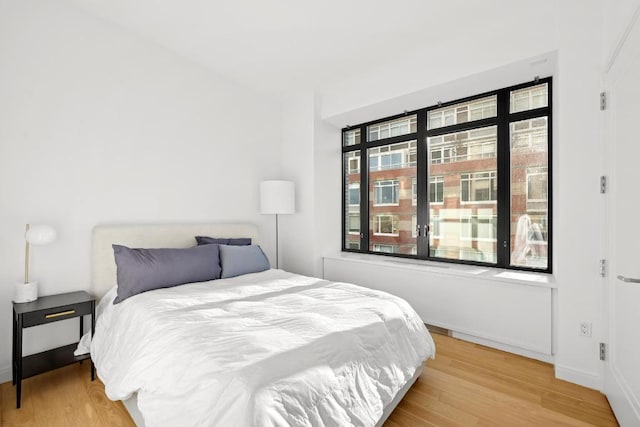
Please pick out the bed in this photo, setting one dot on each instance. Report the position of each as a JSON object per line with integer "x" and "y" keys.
{"x": 270, "y": 348}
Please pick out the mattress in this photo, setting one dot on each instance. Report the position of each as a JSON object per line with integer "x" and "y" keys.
{"x": 263, "y": 349}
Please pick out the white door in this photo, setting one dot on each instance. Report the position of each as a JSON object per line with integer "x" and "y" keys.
{"x": 622, "y": 139}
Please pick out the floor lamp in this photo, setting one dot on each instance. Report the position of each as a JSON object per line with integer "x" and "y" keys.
{"x": 277, "y": 197}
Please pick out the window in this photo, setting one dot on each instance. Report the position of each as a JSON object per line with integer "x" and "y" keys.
{"x": 463, "y": 146}
{"x": 478, "y": 187}
{"x": 414, "y": 226}
{"x": 390, "y": 249}
{"x": 436, "y": 189}
{"x": 463, "y": 112}
{"x": 351, "y": 137}
{"x": 529, "y": 98}
{"x": 385, "y": 192}
{"x": 392, "y": 128}
{"x": 435, "y": 225}
{"x": 537, "y": 185}
{"x": 353, "y": 162}
{"x": 352, "y": 199}
{"x": 393, "y": 156}
{"x": 414, "y": 191}
{"x": 354, "y": 223}
{"x": 478, "y": 227}
{"x": 529, "y": 192}
{"x": 354, "y": 194}
{"x": 386, "y": 224}
{"x": 475, "y": 170}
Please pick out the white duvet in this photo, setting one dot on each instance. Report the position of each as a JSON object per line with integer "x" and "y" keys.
{"x": 263, "y": 349}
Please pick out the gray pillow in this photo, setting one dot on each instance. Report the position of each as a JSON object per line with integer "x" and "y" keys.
{"x": 241, "y": 241}
{"x": 142, "y": 270}
{"x": 237, "y": 260}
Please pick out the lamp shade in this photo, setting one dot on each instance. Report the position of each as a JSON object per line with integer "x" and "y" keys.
{"x": 277, "y": 197}
{"x": 40, "y": 235}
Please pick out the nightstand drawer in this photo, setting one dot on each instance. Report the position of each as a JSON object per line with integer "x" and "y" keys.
{"x": 53, "y": 315}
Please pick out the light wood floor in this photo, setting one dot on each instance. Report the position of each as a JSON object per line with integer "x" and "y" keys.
{"x": 466, "y": 385}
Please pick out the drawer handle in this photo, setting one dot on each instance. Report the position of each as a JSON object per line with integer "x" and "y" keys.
{"x": 62, "y": 313}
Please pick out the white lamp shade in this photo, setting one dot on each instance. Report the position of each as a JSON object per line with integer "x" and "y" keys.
{"x": 40, "y": 235}
{"x": 277, "y": 197}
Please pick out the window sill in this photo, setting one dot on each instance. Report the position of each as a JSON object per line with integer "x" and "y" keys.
{"x": 442, "y": 268}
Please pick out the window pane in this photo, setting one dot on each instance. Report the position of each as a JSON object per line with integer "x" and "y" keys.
{"x": 462, "y": 195}
{"x": 463, "y": 112}
{"x": 529, "y": 193}
{"x": 394, "y": 156}
{"x": 352, "y": 199}
{"x": 529, "y": 98}
{"x": 392, "y": 197}
{"x": 397, "y": 127}
{"x": 472, "y": 145}
{"x": 351, "y": 137}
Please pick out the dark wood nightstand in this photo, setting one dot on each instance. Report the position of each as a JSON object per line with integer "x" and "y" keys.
{"x": 46, "y": 310}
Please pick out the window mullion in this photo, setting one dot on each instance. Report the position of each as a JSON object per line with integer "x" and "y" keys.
{"x": 422, "y": 178}
{"x": 364, "y": 191}
{"x": 503, "y": 249}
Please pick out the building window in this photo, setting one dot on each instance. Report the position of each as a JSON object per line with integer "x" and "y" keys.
{"x": 390, "y": 249}
{"x": 393, "y": 156}
{"x": 463, "y": 146}
{"x": 462, "y": 113}
{"x": 435, "y": 226}
{"x": 354, "y": 193}
{"x": 414, "y": 226}
{"x": 353, "y": 162}
{"x": 478, "y": 227}
{"x": 351, "y": 137}
{"x": 391, "y": 128}
{"x": 386, "y": 225}
{"x": 354, "y": 224}
{"x": 529, "y": 98}
{"x": 385, "y": 192}
{"x": 414, "y": 191}
{"x": 489, "y": 154}
{"x": 478, "y": 187}
{"x": 537, "y": 185}
{"x": 436, "y": 189}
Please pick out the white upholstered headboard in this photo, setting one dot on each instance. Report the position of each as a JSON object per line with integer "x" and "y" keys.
{"x": 103, "y": 265}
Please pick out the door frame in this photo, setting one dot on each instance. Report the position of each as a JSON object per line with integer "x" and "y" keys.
{"x": 625, "y": 405}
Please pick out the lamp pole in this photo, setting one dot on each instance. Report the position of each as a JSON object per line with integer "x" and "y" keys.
{"x": 277, "y": 234}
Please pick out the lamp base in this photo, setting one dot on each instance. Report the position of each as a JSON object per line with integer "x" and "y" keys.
{"x": 26, "y": 292}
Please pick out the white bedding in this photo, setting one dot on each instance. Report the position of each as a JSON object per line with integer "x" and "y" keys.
{"x": 263, "y": 349}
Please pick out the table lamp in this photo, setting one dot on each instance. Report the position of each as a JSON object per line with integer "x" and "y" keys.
{"x": 37, "y": 235}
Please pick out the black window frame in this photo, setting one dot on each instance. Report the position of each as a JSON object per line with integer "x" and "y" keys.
{"x": 502, "y": 120}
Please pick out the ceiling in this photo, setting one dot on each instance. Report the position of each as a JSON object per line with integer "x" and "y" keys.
{"x": 276, "y": 45}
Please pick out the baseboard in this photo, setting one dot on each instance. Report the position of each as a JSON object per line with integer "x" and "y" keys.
{"x": 504, "y": 347}
{"x": 622, "y": 400}
{"x": 5, "y": 374}
{"x": 580, "y": 377}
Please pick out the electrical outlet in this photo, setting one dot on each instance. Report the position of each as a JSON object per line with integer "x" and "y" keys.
{"x": 584, "y": 328}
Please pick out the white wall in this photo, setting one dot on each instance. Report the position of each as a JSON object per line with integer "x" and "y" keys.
{"x": 297, "y": 230}
{"x": 618, "y": 17}
{"x": 100, "y": 126}
{"x": 573, "y": 32}
{"x": 577, "y": 202}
